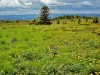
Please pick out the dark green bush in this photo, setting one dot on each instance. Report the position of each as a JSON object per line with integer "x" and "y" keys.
{"x": 3, "y": 42}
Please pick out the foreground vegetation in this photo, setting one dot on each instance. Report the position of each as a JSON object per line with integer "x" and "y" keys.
{"x": 58, "y": 49}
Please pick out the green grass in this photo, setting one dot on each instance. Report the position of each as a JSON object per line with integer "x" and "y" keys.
{"x": 64, "y": 49}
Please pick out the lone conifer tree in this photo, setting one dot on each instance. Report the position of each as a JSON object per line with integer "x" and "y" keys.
{"x": 44, "y": 15}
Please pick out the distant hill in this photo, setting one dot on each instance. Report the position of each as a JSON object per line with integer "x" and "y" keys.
{"x": 33, "y": 16}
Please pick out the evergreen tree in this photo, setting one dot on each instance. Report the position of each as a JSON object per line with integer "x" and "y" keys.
{"x": 44, "y": 15}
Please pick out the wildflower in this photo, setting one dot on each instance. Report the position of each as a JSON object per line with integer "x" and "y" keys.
{"x": 91, "y": 74}
{"x": 20, "y": 74}
{"x": 96, "y": 73}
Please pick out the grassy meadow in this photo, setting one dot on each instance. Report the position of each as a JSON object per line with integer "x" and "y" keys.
{"x": 56, "y": 49}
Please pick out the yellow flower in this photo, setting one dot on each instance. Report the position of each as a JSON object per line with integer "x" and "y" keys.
{"x": 91, "y": 74}
{"x": 97, "y": 73}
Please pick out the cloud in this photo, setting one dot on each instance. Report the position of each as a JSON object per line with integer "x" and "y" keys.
{"x": 9, "y": 3}
{"x": 72, "y": 3}
{"x": 87, "y": 3}
{"x": 54, "y": 2}
{"x": 15, "y": 3}
{"x": 28, "y": 3}
{"x": 61, "y": 6}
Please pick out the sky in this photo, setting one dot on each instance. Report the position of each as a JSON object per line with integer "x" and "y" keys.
{"x": 14, "y": 7}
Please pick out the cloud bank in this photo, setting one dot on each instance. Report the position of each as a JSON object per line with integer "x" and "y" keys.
{"x": 61, "y": 6}
{"x": 15, "y": 3}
